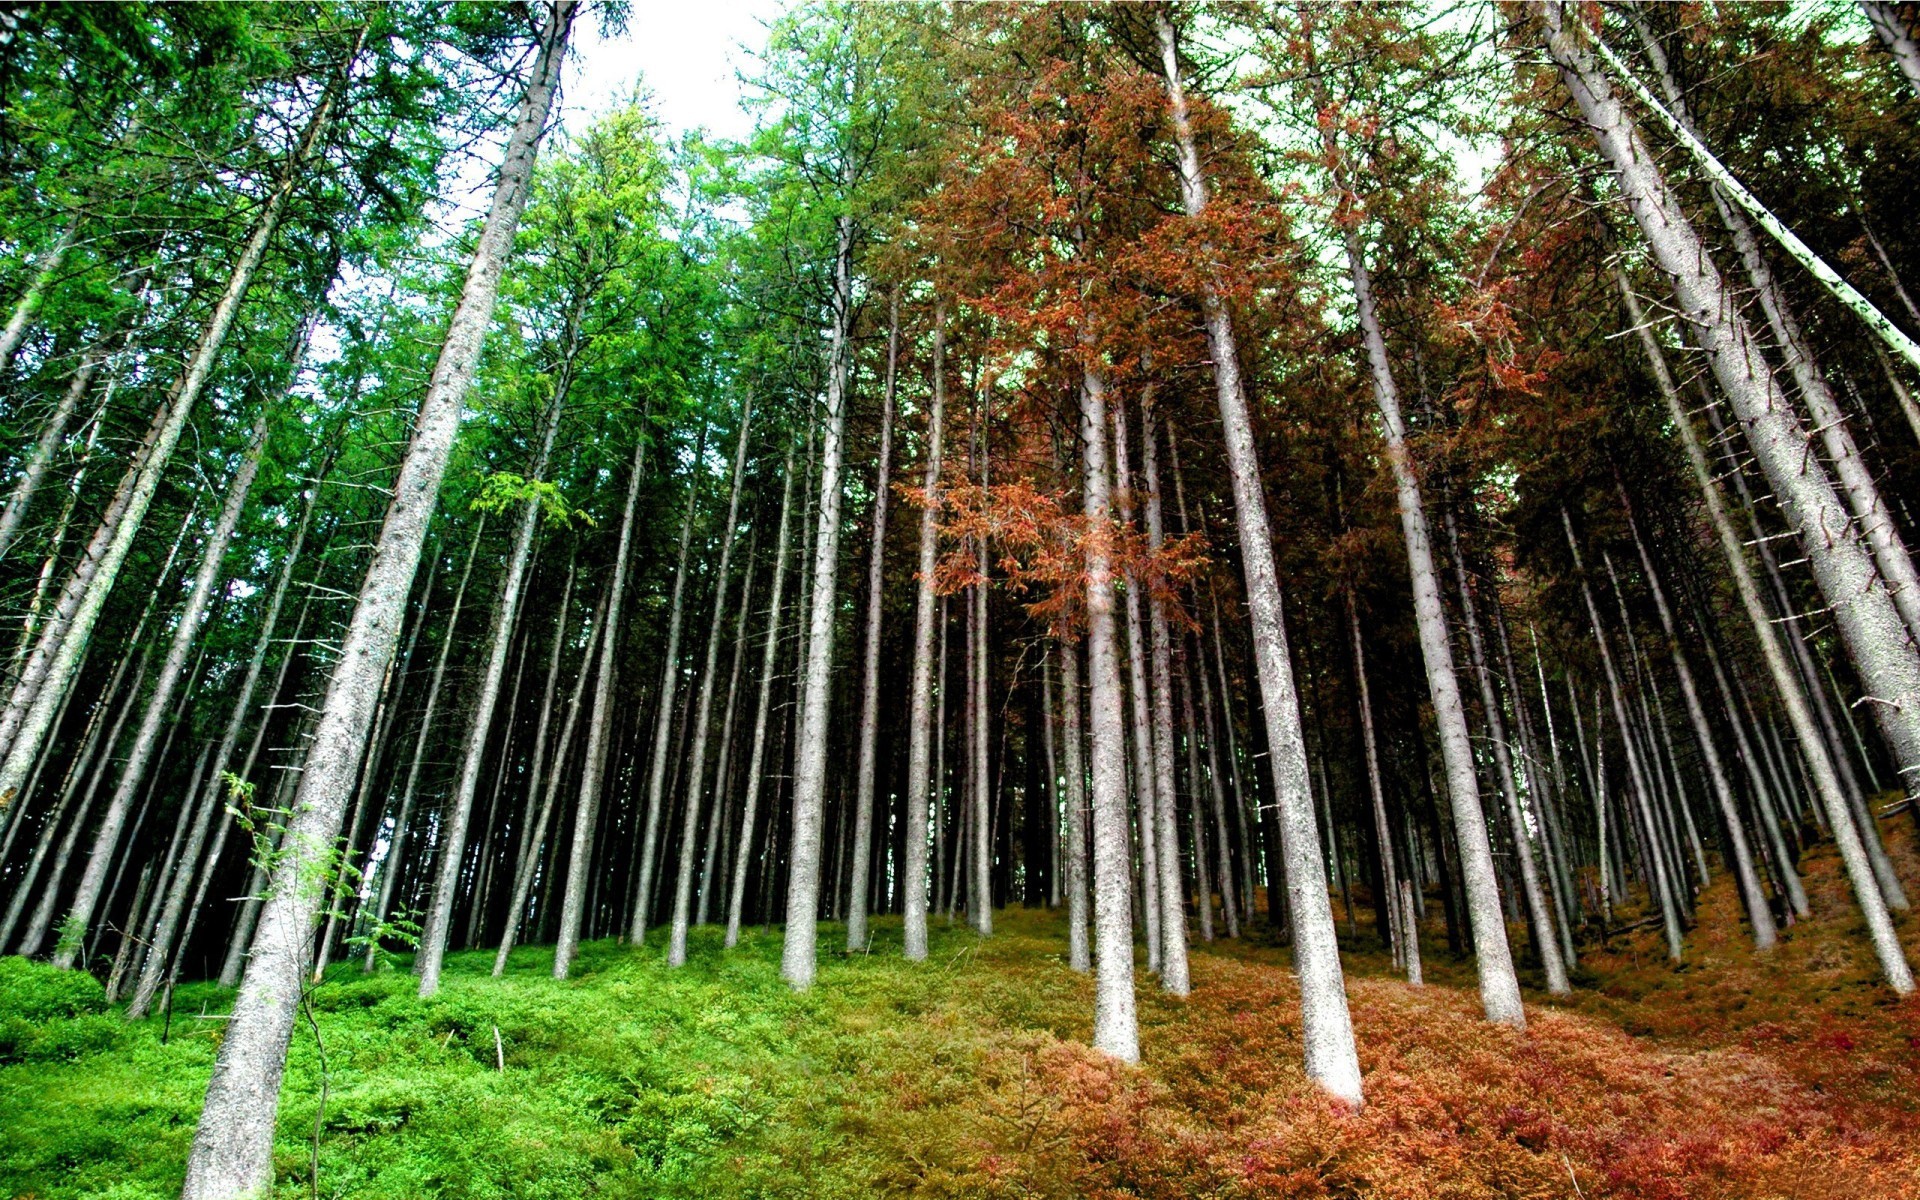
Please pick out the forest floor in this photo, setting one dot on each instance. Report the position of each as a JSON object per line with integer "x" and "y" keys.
{"x": 1788, "y": 1075}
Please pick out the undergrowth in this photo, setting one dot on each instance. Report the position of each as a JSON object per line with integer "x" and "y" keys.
{"x": 1737, "y": 1075}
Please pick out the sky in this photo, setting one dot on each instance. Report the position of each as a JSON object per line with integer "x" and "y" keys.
{"x": 687, "y": 53}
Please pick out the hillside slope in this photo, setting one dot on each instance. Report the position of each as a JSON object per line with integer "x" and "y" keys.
{"x": 1793, "y": 1075}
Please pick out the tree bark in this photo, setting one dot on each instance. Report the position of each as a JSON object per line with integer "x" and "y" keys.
{"x": 769, "y": 656}
{"x": 703, "y": 707}
{"x": 1893, "y": 963}
{"x": 1331, "y": 1059}
{"x": 1897, "y": 38}
{"x": 870, "y": 680}
{"x": 56, "y": 660}
{"x": 594, "y": 756}
{"x": 186, "y": 630}
{"x": 1864, "y": 612}
{"x": 1076, "y": 805}
{"x": 47, "y": 267}
{"x": 1546, "y": 938}
{"x": 797, "y": 959}
{"x": 233, "y": 1147}
{"x": 923, "y": 790}
{"x": 506, "y": 613}
{"x": 34, "y": 473}
{"x": 1115, "y": 1025}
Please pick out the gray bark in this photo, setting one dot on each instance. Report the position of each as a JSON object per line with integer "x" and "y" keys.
{"x": 593, "y": 759}
{"x": 923, "y": 790}
{"x": 1115, "y": 1025}
{"x": 187, "y": 629}
{"x": 1075, "y": 865}
{"x": 664, "y": 712}
{"x": 1331, "y": 1059}
{"x": 1814, "y": 747}
{"x": 34, "y": 473}
{"x": 870, "y": 679}
{"x": 1389, "y": 869}
{"x": 543, "y": 781}
{"x": 46, "y": 268}
{"x": 175, "y": 905}
{"x": 797, "y": 959}
{"x": 1546, "y": 938}
{"x": 59, "y": 658}
{"x": 703, "y": 707}
{"x": 1897, "y": 38}
{"x": 1876, "y": 637}
{"x": 506, "y": 612}
{"x": 233, "y": 1147}
{"x": 750, "y": 806}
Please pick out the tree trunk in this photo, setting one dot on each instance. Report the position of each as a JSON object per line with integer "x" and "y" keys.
{"x": 1899, "y": 40}
{"x": 797, "y": 957}
{"x": 1863, "y": 610}
{"x": 703, "y": 708}
{"x": 1076, "y": 804}
{"x": 1154, "y": 735}
{"x": 185, "y": 631}
{"x": 233, "y": 1147}
{"x": 1546, "y": 938}
{"x": 769, "y": 656}
{"x": 543, "y": 780}
{"x": 1115, "y": 1027}
{"x": 593, "y": 760}
{"x": 1140, "y": 742}
{"x": 870, "y": 680}
{"x": 403, "y": 820}
{"x": 47, "y": 267}
{"x": 174, "y": 907}
{"x": 1389, "y": 870}
{"x": 506, "y": 613}
{"x": 1331, "y": 1059}
{"x": 719, "y": 825}
{"x": 41, "y": 456}
{"x": 923, "y": 789}
{"x": 1893, "y": 963}
{"x": 980, "y": 716}
{"x": 56, "y": 660}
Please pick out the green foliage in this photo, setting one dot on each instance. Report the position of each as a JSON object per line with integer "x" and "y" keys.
{"x": 51, "y": 1015}
{"x": 503, "y": 490}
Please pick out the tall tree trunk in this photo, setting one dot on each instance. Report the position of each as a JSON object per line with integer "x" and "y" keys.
{"x": 797, "y": 958}
{"x": 924, "y": 788}
{"x": 1899, "y": 39}
{"x": 1723, "y": 790}
{"x": 719, "y": 825}
{"x": 1813, "y": 744}
{"x": 663, "y": 717}
{"x": 185, "y": 632}
{"x": 870, "y": 680}
{"x": 1546, "y": 938}
{"x": 1331, "y": 1059}
{"x": 506, "y": 613}
{"x": 1155, "y": 900}
{"x": 1637, "y": 771}
{"x": 543, "y": 780}
{"x": 980, "y": 715}
{"x": 1499, "y": 988}
{"x": 233, "y": 1147}
{"x": 1389, "y": 869}
{"x": 593, "y": 760}
{"x": 769, "y": 656}
{"x": 1160, "y": 796}
{"x": 34, "y": 473}
{"x": 703, "y": 707}
{"x": 1076, "y": 804}
{"x": 1115, "y": 1026}
{"x": 1863, "y": 610}
{"x": 56, "y": 660}
{"x": 396, "y": 858}
{"x": 175, "y": 907}
{"x": 46, "y": 269}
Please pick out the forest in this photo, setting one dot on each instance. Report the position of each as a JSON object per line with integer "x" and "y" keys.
{"x": 1285, "y": 599}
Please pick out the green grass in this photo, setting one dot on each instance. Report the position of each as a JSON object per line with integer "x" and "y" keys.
{"x": 628, "y": 1080}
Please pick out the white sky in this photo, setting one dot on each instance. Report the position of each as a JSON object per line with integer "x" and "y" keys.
{"x": 686, "y": 52}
